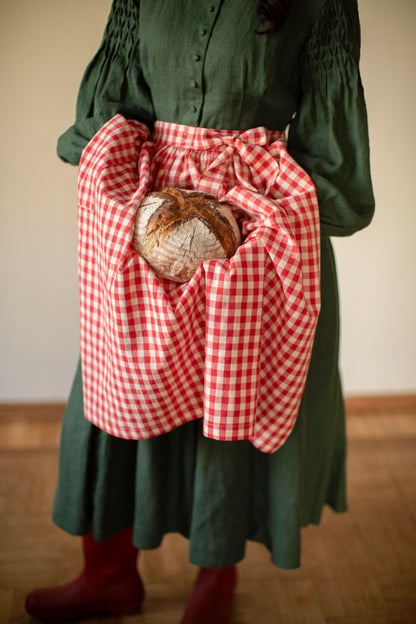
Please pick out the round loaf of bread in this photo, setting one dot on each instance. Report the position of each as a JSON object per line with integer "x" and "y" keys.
{"x": 176, "y": 230}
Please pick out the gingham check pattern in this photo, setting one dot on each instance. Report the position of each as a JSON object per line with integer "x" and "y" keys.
{"x": 231, "y": 346}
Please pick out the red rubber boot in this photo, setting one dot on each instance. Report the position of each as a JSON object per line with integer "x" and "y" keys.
{"x": 212, "y": 597}
{"x": 109, "y": 584}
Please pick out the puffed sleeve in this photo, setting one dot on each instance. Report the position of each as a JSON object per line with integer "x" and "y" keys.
{"x": 112, "y": 83}
{"x": 329, "y": 133}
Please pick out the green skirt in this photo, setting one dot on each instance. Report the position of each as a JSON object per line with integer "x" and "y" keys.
{"x": 217, "y": 494}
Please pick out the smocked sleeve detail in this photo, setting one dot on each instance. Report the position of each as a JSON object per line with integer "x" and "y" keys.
{"x": 329, "y": 134}
{"x": 112, "y": 83}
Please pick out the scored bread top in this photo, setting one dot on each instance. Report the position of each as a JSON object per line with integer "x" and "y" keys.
{"x": 179, "y": 206}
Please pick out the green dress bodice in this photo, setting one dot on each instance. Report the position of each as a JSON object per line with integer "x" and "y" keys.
{"x": 204, "y": 64}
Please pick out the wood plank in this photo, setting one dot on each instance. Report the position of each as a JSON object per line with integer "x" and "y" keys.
{"x": 28, "y": 434}
{"x": 6, "y": 599}
{"x": 22, "y": 411}
{"x": 378, "y": 403}
{"x": 379, "y": 425}
{"x": 373, "y": 619}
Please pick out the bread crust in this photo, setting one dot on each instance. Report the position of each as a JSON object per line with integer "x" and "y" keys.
{"x": 177, "y": 229}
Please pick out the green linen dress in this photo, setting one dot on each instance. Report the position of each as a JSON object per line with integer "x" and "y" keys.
{"x": 203, "y": 63}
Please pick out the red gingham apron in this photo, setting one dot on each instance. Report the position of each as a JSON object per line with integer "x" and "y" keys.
{"x": 232, "y": 345}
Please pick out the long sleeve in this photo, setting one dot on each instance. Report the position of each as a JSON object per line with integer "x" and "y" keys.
{"x": 112, "y": 83}
{"x": 329, "y": 134}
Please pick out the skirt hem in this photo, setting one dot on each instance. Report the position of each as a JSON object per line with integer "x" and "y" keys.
{"x": 200, "y": 557}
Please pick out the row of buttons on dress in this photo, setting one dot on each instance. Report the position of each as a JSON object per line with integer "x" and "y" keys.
{"x": 196, "y": 82}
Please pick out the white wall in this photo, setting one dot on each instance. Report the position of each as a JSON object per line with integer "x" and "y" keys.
{"x": 377, "y": 266}
{"x": 44, "y": 47}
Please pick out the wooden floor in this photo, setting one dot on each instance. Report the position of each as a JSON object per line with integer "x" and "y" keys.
{"x": 358, "y": 568}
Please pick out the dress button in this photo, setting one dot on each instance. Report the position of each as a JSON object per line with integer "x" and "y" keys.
{"x": 194, "y": 84}
{"x": 211, "y": 8}
{"x": 196, "y": 57}
{"x": 202, "y": 31}
{"x": 193, "y": 109}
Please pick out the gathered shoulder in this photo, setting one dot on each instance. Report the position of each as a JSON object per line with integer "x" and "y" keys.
{"x": 123, "y": 20}
{"x": 335, "y": 35}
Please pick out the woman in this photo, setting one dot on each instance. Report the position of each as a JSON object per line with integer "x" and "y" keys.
{"x": 231, "y": 65}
